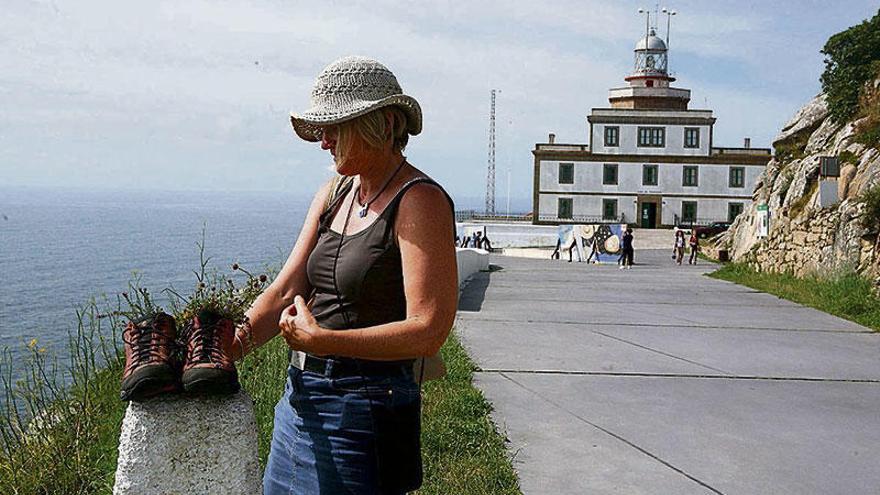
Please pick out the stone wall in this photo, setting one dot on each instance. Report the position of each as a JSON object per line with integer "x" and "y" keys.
{"x": 806, "y": 238}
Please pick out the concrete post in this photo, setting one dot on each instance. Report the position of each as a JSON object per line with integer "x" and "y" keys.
{"x": 187, "y": 445}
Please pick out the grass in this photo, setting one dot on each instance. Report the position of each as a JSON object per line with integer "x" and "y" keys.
{"x": 847, "y": 296}
{"x": 462, "y": 451}
{"x": 72, "y": 448}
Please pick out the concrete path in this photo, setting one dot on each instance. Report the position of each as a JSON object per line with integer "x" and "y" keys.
{"x": 659, "y": 380}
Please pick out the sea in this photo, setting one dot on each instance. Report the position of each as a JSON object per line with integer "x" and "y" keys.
{"x": 61, "y": 248}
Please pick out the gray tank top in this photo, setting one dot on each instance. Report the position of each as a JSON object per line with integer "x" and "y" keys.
{"x": 367, "y": 274}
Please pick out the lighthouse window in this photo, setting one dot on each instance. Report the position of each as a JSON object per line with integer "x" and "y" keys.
{"x": 653, "y": 137}
{"x": 737, "y": 177}
{"x": 563, "y": 208}
{"x": 612, "y": 136}
{"x": 609, "y": 174}
{"x": 566, "y": 173}
{"x": 609, "y": 209}
{"x": 689, "y": 178}
{"x": 691, "y": 137}
{"x": 649, "y": 175}
{"x": 688, "y": 211}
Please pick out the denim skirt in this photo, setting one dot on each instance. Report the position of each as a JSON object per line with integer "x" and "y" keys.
{"x": 345, "y": 435}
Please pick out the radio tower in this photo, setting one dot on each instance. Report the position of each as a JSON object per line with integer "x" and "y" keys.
{"x": 490, "y": 176}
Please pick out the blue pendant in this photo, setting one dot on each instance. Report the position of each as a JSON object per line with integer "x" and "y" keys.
{"x": 363, "y": 212}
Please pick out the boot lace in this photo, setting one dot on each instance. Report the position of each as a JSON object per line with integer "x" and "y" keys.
{"x": 207, "y": 345}
{"x": 147, "y": 342}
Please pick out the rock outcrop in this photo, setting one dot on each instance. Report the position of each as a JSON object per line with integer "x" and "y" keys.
{"x": 806, "y": 238}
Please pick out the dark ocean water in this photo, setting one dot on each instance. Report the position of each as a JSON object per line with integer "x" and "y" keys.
{"x": 59, "y": 248}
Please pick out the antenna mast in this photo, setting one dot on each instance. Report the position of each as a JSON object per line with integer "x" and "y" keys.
{"x": 490, "y": 177}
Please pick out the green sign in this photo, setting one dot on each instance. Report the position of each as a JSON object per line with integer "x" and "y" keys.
{"x": 763, "y": 208}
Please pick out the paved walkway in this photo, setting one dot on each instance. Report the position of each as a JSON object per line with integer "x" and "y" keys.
{"x": 659, "y": 380}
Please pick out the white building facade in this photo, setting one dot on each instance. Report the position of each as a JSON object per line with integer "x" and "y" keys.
{"x": 650, "y": 161}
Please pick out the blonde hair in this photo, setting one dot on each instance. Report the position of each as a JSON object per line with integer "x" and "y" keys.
{"x": 373, "y": 130}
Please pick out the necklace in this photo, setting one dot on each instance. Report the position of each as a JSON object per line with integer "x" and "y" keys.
{"x": 365, "y": 206}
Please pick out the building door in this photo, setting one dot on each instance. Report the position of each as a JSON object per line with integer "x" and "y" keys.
{"x": 648, "y": 215}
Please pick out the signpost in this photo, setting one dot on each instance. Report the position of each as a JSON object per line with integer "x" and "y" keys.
{"x": 763, "y": 220}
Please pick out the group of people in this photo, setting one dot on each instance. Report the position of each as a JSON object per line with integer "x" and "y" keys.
{"x": 476, "y": 240}
{"x": 625, "y": 260}
{"x": 679, "y": 246}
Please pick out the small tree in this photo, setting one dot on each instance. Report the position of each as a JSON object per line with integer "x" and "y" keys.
{"x": 849, "y": 56}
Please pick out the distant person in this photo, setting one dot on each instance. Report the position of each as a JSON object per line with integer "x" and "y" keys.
{"x": 555, "y": 254}
{"x": 487, "y": 245}
{"x": 678, "y": 246}
{"x": 573, "y": 247}
{"x": 594, "y": 251}
{"x": 695, "y": 247}
{"x": 627, "y": 249}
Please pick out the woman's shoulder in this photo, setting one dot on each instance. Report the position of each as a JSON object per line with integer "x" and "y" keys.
{"x": 421, "y": 186}
{"x": 421, "y": 195}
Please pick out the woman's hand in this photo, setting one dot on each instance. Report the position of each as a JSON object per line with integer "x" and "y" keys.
{"x": 299, "y": 328}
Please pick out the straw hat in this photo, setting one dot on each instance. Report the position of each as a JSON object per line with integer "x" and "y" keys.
{"x": 351, "y": 87}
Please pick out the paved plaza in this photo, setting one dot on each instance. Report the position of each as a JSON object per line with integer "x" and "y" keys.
{"x": 660, "y": 380}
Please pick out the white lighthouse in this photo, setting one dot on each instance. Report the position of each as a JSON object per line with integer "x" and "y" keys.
{"x": 650, "y": 160}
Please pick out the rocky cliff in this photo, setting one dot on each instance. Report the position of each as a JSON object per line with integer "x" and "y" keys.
{"x": 804, "y": 237}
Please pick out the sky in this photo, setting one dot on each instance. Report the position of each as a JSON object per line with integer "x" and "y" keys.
{"x": 195, "y": 95}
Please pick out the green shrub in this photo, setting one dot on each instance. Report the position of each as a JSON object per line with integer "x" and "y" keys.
{"x": 867, "y": 131}
{"x": 871, "y": 218}
{"x": 849, "y": 56}
{"x": 848, "y": 157}
{"x": 793, "y": 148}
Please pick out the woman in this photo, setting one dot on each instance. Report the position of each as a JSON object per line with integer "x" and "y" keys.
{"x": 678, "y": 247}
{"x": 694, "y": 244}
{"x": 370, "y": 286}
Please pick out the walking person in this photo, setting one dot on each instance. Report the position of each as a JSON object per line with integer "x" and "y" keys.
{"x": 678, "y": 246}
{"x": 574, "y": 247}
{"x": 487, "y": 244}
{"x": 694, "y": 244}
{"x": 555, "y": 254}
{"x": 627, "y": 249}
{"x": 594, "y": 251}
{"x": 369, "y": 287}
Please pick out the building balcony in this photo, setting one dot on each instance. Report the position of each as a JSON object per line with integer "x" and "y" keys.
{"x": 655, "y": 92}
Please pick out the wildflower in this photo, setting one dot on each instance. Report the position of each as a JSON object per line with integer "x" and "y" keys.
{"x": 235, "y": 266}
{"x": 32, "y": 344}
{"x": 263, "y": 279}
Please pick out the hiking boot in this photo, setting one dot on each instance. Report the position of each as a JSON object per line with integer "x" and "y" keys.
{"x": 150, "y": 364}
{"x": 208, "y": 367}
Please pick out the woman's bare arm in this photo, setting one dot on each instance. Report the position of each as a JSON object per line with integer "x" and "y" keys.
{"x": 264, "y": 313}
{"x": 424, "y": 227}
